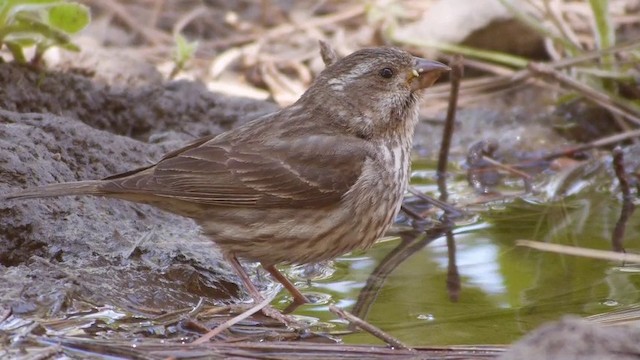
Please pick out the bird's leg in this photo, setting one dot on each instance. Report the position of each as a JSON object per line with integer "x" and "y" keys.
{"x": 298, "y": 298}
{"x": 255, "y": 294}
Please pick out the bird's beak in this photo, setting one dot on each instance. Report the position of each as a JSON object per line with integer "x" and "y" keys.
{"x": 425, "y": 73}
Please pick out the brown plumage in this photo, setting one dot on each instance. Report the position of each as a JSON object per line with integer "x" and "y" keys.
{"x": 310, "y": 182}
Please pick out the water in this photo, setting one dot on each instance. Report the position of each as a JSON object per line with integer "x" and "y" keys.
{"x": 504, "y": 290}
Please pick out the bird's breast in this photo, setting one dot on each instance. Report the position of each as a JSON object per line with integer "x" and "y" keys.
{"x": 376, "y": 197}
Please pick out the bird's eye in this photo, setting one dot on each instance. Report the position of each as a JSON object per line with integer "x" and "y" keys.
{"x": 386, "y": 73}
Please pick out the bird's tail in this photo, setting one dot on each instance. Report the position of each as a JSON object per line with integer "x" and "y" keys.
{"x": 90, "y": 187}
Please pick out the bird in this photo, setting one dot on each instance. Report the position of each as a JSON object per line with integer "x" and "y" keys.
{"x": 310, "y": 182}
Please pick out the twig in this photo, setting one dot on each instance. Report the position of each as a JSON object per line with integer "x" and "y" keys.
{"x": 453, "y": 275}
{"x": 457, "y": 68}
{"x": 618, "y": 167}
{"x": 196, "y": 309}
{"x": 286, "y": 29}
{"x": 412, "y": 241}
{"x": 596, "y": 54}
{"x": 617, "y": 237}
{"x": 368, "y": 328}
{"x": 146, "y": 236}
{"x": 111, "y": 348}
{"x": 577, "y": 251}
{"x": 448, "y": 208}
{"x": 507, "y": 168}
{"x": 605, "y": 141}
{"x": 604, "y": 100}
{"x": 565, "y": 29}
{"x": 152, "y": 35}
{"x": 509, "y": 79}
{"x": 227, "y": 324}
{"x": 187, "y": 18}
{"x": 412, "y": 213}
{"x": 5, "y": 314}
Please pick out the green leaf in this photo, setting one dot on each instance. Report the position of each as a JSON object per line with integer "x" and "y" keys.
{"x": 69, "y": 17}
{"x": 184, "y": 49}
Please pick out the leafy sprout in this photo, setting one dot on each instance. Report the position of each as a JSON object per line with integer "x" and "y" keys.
{"x": 183, "y": 53}
{"x": 40, "y": 23}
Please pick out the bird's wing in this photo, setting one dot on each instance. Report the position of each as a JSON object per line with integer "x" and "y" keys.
{"x": 189, "y": 146}
{"x": 309, "y": 172}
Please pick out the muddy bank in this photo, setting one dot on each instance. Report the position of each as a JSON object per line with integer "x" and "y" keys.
{"x": 57, "y": 251}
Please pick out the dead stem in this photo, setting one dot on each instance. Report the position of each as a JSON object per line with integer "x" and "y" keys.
{"x": 605, "y": 141}
{"x": 453, "y": 275}
{"x": 152, "y": 35}
{"x": 617, "y": 237}
{"x": 102, "y": 348}
{"x": 368, "y": 328}
{"x": 457, "y": 69}
{"x": 411, "y": 242}
{"x": 227, "y": 324}
{"x": 614, "y": 105}
{"x": 412, "y": 213}
{"x": 451, "y": 210}
{"x": 578, "y": 251}
{"x": 286, "y": 29}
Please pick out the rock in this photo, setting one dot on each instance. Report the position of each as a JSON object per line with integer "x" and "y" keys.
{"x": 138, "y": 112}
{"x": 59, "y": 252}
{"x": 575, "y": 339}
{"x": 484, "y": 24}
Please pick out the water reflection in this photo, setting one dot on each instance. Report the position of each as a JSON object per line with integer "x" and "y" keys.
{"x": 504, "y": 291}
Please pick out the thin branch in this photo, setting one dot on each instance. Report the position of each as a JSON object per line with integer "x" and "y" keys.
{"x": 617, "y": 237}
{"x": 610, "y": 103}
{"x": 507, "y": 168}
{"x": 457, "y": 68}
{"x": 229, "y": 323}
{"x": 448, "y": 208}
{"x": 577, "y": 251}
{"x": 286, "y": 29}
{"x": 152, "y": 35}
{"x": 605, "y": 141}
{"x": 368, "y": 328}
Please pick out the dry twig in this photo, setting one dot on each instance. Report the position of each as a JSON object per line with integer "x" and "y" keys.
{"x": 617, "y": 238}
{"x": 457, "y": 68}
{"x": 227, "y": 324}
{"x": 577, "y": 251}
{"x": 368, "y": 328}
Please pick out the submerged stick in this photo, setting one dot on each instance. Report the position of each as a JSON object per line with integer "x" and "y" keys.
{"x": 617, "y": 238}
{"x": 229, "y": 323}
{"x": 368, "y": 328}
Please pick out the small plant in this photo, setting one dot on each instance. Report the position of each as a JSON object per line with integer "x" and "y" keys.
{"x": 183, "y": 53}
{"x": 40, "y": 23}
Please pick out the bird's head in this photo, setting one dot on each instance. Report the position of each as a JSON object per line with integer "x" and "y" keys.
{"x": 374, "y": 90}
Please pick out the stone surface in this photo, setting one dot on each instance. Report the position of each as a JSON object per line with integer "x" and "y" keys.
{"x": 576, "y": 339}
{"x": 58, "y": 251}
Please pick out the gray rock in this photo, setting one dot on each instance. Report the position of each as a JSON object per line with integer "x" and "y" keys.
{"x": 56, "y": 253}
{"x": 575, "y": 339}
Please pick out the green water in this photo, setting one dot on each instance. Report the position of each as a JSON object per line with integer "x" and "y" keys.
{"x": 505, "y": 290}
